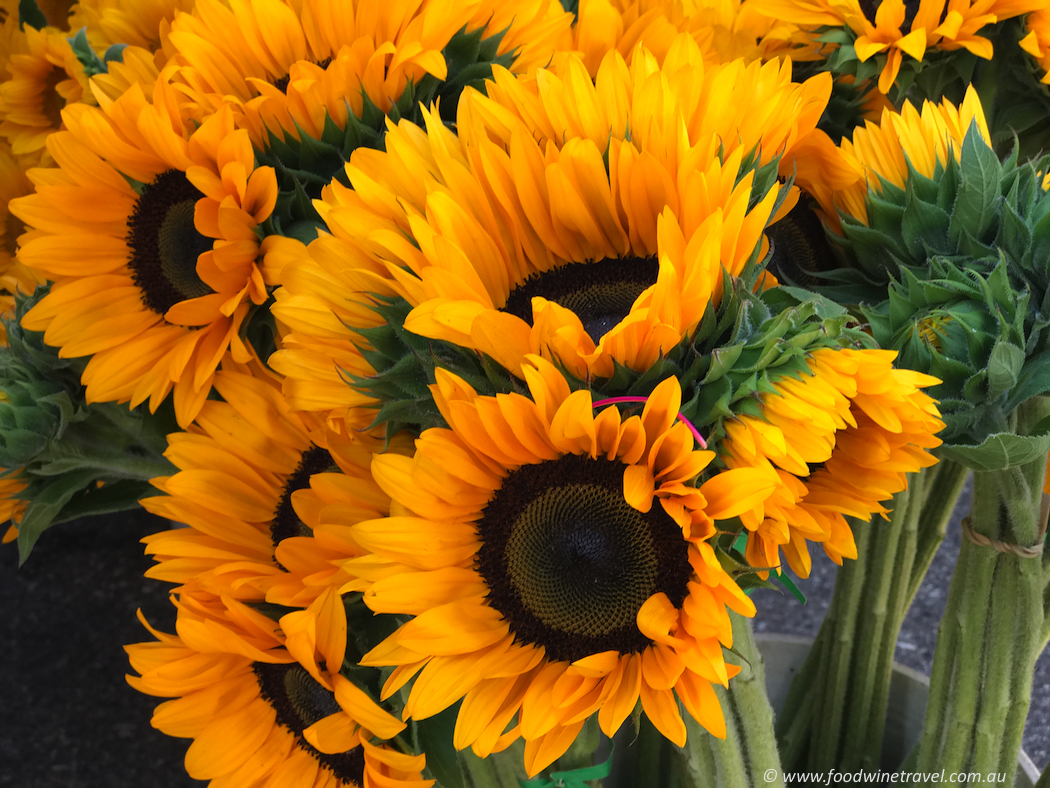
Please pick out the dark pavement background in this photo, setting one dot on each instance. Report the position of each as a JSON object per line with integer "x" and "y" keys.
{"x": 69, "y": 720}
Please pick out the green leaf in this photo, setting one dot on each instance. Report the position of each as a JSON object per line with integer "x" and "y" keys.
{"x": 44, "y": 507}
{"x": 1003, "y": 450}
{"x": 29, "y": 13}
{"x": 435, "y": 739}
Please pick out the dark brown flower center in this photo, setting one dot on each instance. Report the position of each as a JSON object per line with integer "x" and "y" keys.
{"x": 13, "y": 227}
{"x": 600, "y": 293}
{"x": 911, "y": 8}
{"x": 569, "y": 562}
{"x": 51, "y": 104}
{"x": 300, "y": 702}
{"x": 281, "y": 83}
{"x": 165, "y": 243}
{"x": 286, "y": 522}
{"x": 800, "y": 247}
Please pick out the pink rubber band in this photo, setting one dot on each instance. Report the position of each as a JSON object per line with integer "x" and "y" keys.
{"x": 683, "y": 419}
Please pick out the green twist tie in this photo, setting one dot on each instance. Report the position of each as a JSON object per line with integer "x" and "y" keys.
{"x": 576, "y": 778}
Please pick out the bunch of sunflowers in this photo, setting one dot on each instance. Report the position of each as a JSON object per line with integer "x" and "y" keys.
{"x": 485, "y": 355}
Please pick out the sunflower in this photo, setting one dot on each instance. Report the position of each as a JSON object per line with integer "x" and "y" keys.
{"x": 924, "y": 139}
{"x": 136, "y": 23}
{"x": 44, "y": 76}
{"x": 841, "y": 440}
{"x": 244, "y": 466}
{"x": 1037, "y": 42}
{"x": 724, "y": 31}
{"x": 556, "y": 565}
{"x": 148, "y": 229}
{"x": 289, "y": 66}
{"x": 14, "y": 276}
{"x": 11, "y": 508}
{"x": 894, "y": 28}
{"x": 257, "y": 715}
{"x": 514, "y": 237}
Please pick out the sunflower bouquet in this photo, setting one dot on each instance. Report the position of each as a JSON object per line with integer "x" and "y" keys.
{"x": 485, "y": 357}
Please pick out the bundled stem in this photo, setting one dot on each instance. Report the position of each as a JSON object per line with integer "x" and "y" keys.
{"x": 992, "y": 630}
{"x": 748, "y": 757}
{"x": 836, "y": 711}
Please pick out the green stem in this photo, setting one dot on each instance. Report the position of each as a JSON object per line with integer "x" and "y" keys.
{"x": 991, "y": 631}
{"x": 829, "y": 708}
{"x": 941, "y": 494}
{"x": 501, "y": 770}
{"x": 868, "y": 700}
{"x": 748, "y": 755}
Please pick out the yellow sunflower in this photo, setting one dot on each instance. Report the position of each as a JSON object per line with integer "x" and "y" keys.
{"x": 136, "y": 23}
{"x": 568, "y": 218}
{"x": 11, "y": 509}
{"x": 556, "y": 565}
{"x": 287, "y": 66}
{"x": 724, "y": 29}
{"x": 841, "y": 440}
{"x": 43, "y": 77}
{"x": 244, "y": 467}
{"x": 1037, "y": 42}
{"x": 902, "y": 27}
{"x": 260, "y": 706}
{"x": 153, "y": 280}
{"x": 925, "y": 139}
{"x": 14, "y": 276}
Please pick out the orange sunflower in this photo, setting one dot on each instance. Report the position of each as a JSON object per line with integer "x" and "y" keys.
{"x": 14, "y": 276}
{"x": 261, "y": 707}
{"x": 136, "y": 23}
{"x": 901, "y": 27}
{"x": 245, "y": 466}
{"x": 148, "y": 230}
{"x": 556, "y": 564}
{"x": 725, "y": 30}
{"x": 1037, "y": 42}
{"x": 43, "y": 76}
{"x": 841, "y": 440}
{"x": 568, "y": 218}
{"x": 11, "y": 508}
{"x": 289, "y": 66}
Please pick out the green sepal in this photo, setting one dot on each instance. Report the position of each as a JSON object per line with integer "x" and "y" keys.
{"x": 87, "y": 56}
{"x": 114, "y": 54}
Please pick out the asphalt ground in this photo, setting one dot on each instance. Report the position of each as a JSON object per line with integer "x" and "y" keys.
{"x": 68, "y": 719}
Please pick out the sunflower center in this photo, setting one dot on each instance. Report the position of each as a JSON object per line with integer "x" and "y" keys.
{"x": 281, "y": 83}
{"x": 569, "y": 562}
{"x": 13, "y": 227}
{"x": 600, "y": 293}
{"x": 800, "y": 247}
{"x": 51, "y": 103}
{"x": 299, "y": 702}
{"x": 165, "y": 243}
{"x": 286, "y": 523}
